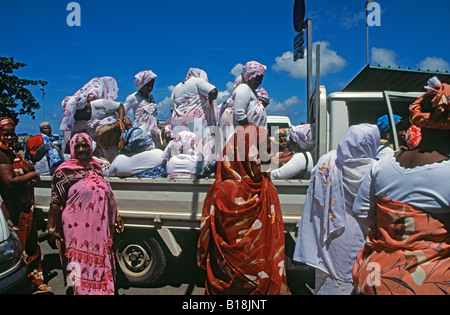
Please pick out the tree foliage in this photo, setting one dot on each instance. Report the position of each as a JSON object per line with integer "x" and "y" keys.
{"x": 15, "y": 99}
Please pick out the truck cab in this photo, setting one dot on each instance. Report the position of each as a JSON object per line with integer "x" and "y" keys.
{"x": 340, "y": 110}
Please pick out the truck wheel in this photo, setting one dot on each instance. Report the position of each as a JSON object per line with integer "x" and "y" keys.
{"x": 142, "y": 261}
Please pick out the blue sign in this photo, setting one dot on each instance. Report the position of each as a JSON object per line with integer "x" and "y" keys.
{"x": 299, "y": 14}
{"x": 299, "y": 39}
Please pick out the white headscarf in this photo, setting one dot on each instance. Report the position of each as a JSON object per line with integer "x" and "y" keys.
{"x": 196, "y": 73}
{"x": 144, "y": 77}
{"x": 337, "y": 176}
{"x": 304, "y": 135}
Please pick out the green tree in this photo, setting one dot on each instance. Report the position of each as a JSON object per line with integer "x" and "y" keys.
{"x": 15, "y": 99}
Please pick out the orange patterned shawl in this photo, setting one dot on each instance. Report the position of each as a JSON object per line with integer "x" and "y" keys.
{"x": 241, "y": 245}
{"x": 408, "y": 253}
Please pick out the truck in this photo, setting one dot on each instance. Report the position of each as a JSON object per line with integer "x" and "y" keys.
{"x": 162, "y": 216}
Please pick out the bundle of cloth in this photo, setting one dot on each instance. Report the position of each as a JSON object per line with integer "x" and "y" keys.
{"x": 138, "y": 158}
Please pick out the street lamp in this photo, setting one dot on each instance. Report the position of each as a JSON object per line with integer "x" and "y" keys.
{"x": 367, "y": 6}
{"x": 43, "y": 104}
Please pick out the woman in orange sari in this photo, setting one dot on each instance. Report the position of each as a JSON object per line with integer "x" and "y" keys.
{"x": 241, "y": 244}
{"x": 405, "y": 200}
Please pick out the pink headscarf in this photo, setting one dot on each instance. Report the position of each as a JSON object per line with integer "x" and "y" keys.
{"x": 252, "y": 69}
{"x": 73, "y": 142}
{"x": 144, "y": 77}
{"x": 263, "y": 95}
{"x": 196, "y": 73}
{"x": 237, "y": 82}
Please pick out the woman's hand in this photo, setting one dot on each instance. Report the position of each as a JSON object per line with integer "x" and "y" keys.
{"x": 52, "y": 237}
{"x": 120, "y": 226}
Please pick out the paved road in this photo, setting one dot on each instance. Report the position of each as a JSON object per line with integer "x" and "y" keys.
{"x": 52, "y": 268}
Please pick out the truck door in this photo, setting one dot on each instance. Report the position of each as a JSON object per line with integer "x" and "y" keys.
{"x": 398, "y": 103}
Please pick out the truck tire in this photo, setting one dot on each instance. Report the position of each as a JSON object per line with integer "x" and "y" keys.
{"x": 142, "y": 261}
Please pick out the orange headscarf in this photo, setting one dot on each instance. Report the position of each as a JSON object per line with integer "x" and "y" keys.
{"x": 34, "y": 143}
{"x": 440, "y": 104}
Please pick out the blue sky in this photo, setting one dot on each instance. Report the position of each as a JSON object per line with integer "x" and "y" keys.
{"x": 120, "y": 38}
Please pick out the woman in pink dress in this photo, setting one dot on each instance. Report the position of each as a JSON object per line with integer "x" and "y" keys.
{"x": 82, "y": 217}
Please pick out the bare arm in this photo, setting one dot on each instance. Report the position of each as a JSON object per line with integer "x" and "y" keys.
{"x": 8, "y": 177}
{"x": 53, "y": 220}
{"x": 213, "y": 94}
{"x": 121, "y": 112}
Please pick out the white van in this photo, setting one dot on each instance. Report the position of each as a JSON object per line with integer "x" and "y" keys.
{"x": 12, "y": 267}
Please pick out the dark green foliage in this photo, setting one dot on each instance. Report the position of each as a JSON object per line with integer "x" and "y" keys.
{"x": 15, "y": 99}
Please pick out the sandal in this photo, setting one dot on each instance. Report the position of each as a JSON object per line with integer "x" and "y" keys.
{"x": 43, "y": 288}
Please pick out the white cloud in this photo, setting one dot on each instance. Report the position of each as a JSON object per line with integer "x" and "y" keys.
{"x": 223, "y": 96}
{"x": 348, "y": 22}
{"x": 237, "y": 69}
{"x": 293, "y": 105}
{"x": 433, "y": 64}
{"x": 163, "y": 108}
{"x": 330, "y": 62}
{"x": 384, "y": 57}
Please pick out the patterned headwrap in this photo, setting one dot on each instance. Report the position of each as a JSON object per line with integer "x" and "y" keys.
{"x": 413, "y": 137}
{"x": 136, "y": 141}
{"x": 440, "y": 118}
{"x": 252, "y": 69}
{"x": 144, "y": 77}
{"x": 196, "y": 73}
{"x": 4, "y": 121}
{"x": 304, "y": 135}
{"x": 280, "y": 131}
{"x": 263, "y": 95}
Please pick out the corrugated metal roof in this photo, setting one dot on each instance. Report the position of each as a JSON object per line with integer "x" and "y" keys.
{"x": 378, "y": 79}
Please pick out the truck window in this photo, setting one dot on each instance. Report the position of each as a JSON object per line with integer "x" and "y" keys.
{"x": 370, "y": 111}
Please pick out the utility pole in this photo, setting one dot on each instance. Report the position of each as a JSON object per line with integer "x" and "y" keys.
{"x": 367, "y": 6}
{"x": 43, "y": 104}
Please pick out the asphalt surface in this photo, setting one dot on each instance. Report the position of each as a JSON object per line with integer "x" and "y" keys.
{"x": 54, "y": 277}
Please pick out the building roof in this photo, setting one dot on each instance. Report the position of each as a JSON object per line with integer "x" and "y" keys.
{"x": 378, "y": 79}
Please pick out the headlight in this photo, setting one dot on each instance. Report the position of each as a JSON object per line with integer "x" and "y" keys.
{"x": 10, "y": 255}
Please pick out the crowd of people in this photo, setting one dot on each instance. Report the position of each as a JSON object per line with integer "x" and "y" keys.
{"x": 374, "y": 221}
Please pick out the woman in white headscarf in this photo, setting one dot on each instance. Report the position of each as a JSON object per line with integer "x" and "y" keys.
{"x": 244, "y": 98}
{"x": 143, "y": 105}
{"x": 247, "y": 103}
{"x": 329, "y": 237}
{"x": 193, "y": 103}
